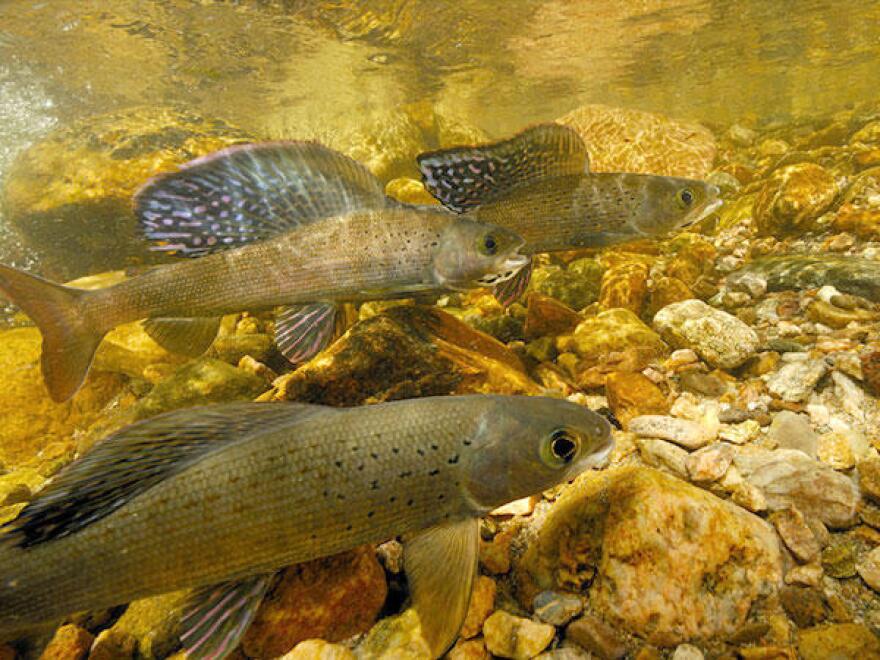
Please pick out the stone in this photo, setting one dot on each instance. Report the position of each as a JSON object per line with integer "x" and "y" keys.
{"x": 796, "y": 534}
{"x": 628, "y": 140}
{"x": 402, "y": 353}
{"x": 597, "y": 637}
{"x": 719, "y": 338}
{"x": 839, "y": 558}
{"x": 495, "y": 554}
{"x": 331, "y": 598}
{"x": 793, "y": 198}
{"x": 631, "y": 395}
{"x": 804, "y": 605}
{"x": 409, "y": 191}
{"x": 111, "y": 645}
{"x": 624, "y": 286}
{"x": 509, "y": 636}
{"x": 70, "y": 642}
{"x": 654, "y": 543}
{"x": 683, "y": 432}
{"x": 793, "y": 431}
{"x": 834, "y": 317}
{"x": 795, "y": 381}
{"x": 808, "y": 575}
{"x": 233, "y": 348}
{"x": 687, "y": 652}
{"x": 472, "y": 649}
{"x": 788, "y": 477}
{"x": 840, "y": 640}
{"x": 664, "y": 455}
{"x": 868, "y": 567}
{"x": 154, "y": 624}
{"x": 547, "y": 316}
{"x": 740, "y": 433}
{"x": 709, "y": 463}
{"x": 318, "y": 649}
{"x": 399, "y": 637}
{"x": 869, "y": 478}
{"x": 705, "y": 384}
{"x": 749, "y": 497}
{"x": 481, "y": 606}
{"x": 767, "y": 653}
{"x": 860, "y": 277}
{"x": 666, "y": 291}
{"x": 834, "y": 449}
{"x": 556, "y": 608}
{"x": 69, "y": 195}
{"x": 575, "y": 286}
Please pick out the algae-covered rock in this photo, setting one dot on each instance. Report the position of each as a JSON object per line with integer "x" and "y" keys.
{"x": 838, "y": 640}
{"x": 403, "y": 353}
{"x": 331, "y": 598}
{"x": 509, "y": 636}
{"x": 547, "y": 316}
{"x": 860, "y": 277}
{"x": 632, "y": 394}
{"x": 624, "y": 286}
{"x": 672, "y": 562}
{"x": 154, "y": 624}
{"x": 627, "y": 140}
{"x": 719, "y": 338}
{"x": 69, "y": 195}
{"x": 398, "y": 637}
{"x": 576, "y": 286}
{"x": 614, "y": 331}
{"x": 793, "y": 198}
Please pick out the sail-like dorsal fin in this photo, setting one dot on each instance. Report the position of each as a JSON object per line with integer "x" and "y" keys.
{"x": 251, "y": 192}
{"x": 136, "y": 458}
{"x": 462, "y": 178}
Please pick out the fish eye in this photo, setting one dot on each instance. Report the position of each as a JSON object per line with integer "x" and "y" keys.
{"x": 488, "y": 245}
{"x": 686, "y": 196}
{"x": 560, "y": 447}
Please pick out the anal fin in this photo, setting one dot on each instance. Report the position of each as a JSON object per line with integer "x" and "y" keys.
{"x": 216, "y": 617}
{"x": 510, "y": 290}
{"x": 441, "y": 566}
{"x": 302, "y": 332}
{"x": 187, "y": 336}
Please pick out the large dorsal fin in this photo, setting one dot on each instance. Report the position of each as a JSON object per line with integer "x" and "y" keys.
{"x": 251, "y": 192}
{"x": 462, "y": 178}
{"x": 135, "y": 459}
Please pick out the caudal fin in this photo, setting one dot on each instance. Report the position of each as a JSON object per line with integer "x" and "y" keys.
{"x": 69, "y": 341}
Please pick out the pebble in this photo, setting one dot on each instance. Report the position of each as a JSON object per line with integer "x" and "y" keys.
{"x": 471, "y": 649}
{"x": 597, "y": 637}
{"x": 869, "y": 478}
{"x": 842, "y": 640}
{"x": 795, "y": 381}
{"x": 70, "y": 642}
{"x": 662, "y": 454}
{"x": 509, "y": 636}
{"x": 851, "y": 396}
{"x": 685, "y": 433}
{"x": 318, "y": 649}
{"x": 750, "y": 283}
{"x": 706, "y": 384}
{"x": 687, "y": 652}
{"x": 796, "y": 534}
{"x": 495, "y": 554}
{"x": 481, "y": 606}
{"x": 749, "y": 497}
{"x": 808, "y": 575}
{"x": 793, "y": 431}
{"x": 839, "y": 558}
{"x": 709, "y": 463}
{"x": 556, "y": 608}
{"x": 804, "y": 605}
{"x": 741, "y": 433}
{"x": 834, "y": 449}
{"x": 868, "y": 568}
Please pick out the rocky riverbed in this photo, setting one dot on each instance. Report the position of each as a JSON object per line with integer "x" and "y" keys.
{"x": 740, "y": 514}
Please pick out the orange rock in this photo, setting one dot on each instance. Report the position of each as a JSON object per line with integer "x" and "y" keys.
{"x": 481, "y": 606}
{"x": 793, "y": 198}
{"x": 331, "y": 599}
{"x": 70, "y": 642}
{"x": 633, "y": 394}
{"x": 667, "y": 290}
{"x": 548, "y": 316}
{"x": 624, "y": 286}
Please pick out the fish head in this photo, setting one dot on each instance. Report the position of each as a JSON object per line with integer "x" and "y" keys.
{"x": 473, "y": 254}
{"x": 667, "y": 203}
{"x": 528, "y": 444}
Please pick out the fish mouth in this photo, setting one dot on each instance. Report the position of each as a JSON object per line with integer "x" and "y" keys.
{"x": 709, "y": 208}
{"x": 509, "y": 268}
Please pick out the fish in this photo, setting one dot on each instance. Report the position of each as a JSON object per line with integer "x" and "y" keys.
{"x": 289, "y": 224}
{"x": 538, "y": 184}
{"x": 218, "y": 498}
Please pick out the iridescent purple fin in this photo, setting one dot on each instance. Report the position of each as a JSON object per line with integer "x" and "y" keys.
{"x": 251, "y": 192}
{"x": 510, "y": 290}
{"x": 462, "y": 178}
{"x": 190, "y": 337}
{"x": 303, "y": 331}
{"x": 136, "y": 458}
{"x": 217, "y": 617}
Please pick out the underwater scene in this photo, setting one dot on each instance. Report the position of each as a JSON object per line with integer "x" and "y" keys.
{"x": 409, "y": 329}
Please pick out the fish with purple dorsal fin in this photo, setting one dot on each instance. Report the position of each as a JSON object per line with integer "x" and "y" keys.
{"x": 538, "y": 183}
{"x": 276, "y": 224}
{"x": 217, "y": 498}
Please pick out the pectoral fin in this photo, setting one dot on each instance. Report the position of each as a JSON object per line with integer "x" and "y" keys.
{"x": 216, "y": 617}
{"x": 441, "y": 566}
{"x": 510, "y": 290}
{"x": 302, "y": 332}
{"x": 190, "y": 337}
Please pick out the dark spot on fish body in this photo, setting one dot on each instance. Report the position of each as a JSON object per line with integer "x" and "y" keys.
{"x": 420, "y": 451}
{"x": 405, "y": 474}
{"x": 374, "y": 456}
{"x": 326, "y": 493}
{"x": 360, "y": 468}
{"x": 374, "y": 484}
{"x": 395, "y": 450}
{"x": 370, "y": 514}
{"x": 410, "y": 502}
{"x": 338, "y": 464}
{"x": 435, "y": 447}
{"x": 434, "y": 472}
{"x": 392, "y": 499}
{"x": 349, "y": 527}
{"x": 466, "y": 442}
{"x": 340, "y": 497}
{"x": 441, "y": 497}
{"x": 453, "y": 459}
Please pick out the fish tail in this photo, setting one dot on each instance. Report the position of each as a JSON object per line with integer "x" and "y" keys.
{"x": 69, "y": 338}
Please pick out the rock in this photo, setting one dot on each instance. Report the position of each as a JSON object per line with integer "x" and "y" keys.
{"x": 664, "y": 146}
{"x": 154, "y": 624}
{"x": 749, "y": 497}
{"x": 869, "y": 478}
{"x": 624, "y": 286}
{"x": 481, "y": 606}
{"x": 796, "y": 534}
{"x": 473, "y": 649}
{"x": 809, "y": 575}
{"x": 693, "y": 256}
{"x": 597, "y": 637}
{"x": 654, "y": 542}
{"x": 683, "y": 432}
{"x": 687, "y": 652}
{"x": 841, "y": 640}
{"x": 709, "y": 463}
{"x": 795, "y": 381}
{"x": 232, "y": 348}
{"x": 834, "y": 317}
{"x": 720, "y": 339}
{"x": 834, "y": 449}
{"x": 69, "y": 195}
{"x": 398, "y": 637}
{"x": 510, "y": 636}
{"x": 556, "y": 608}
{"x": 868, "y": 567}
{"x": 575, "y": 286}
{"x": 804, "y": 605}
{"x": 111, "y": 645}
{"x": 70, "y": 642}
{"x": 860, "y": 277}
{"x": 318, "y": 649}
{"x": 839, "y": 558}
{"x": 787, "y": 477}
{"x": 705, "y": 384}
{"x": 792, "y": 431}
{"x": 741, "y": 432}
{"x": 547, "y": 316}
{"x": 665, "y": 455}
{"x": 409, "y": 191}
{"x": 793, "y": 198}
{"x": 331, "y": 598}
{"x": 631, "y": 395}
{"x": 406, "y": 352}
{"x": 666, "y": 291}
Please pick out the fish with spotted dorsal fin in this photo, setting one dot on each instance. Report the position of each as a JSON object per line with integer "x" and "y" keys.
{"x": 217, "y": 498}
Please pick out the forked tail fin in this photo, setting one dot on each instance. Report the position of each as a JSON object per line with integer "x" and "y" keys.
{"x": 69, "y": 340}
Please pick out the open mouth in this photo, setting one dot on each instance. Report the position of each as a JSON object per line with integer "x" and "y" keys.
{"x": 508, "y": 269}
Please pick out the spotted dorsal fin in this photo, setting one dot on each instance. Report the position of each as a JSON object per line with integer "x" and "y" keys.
{"x": 136, "y": 458}
{"x": 251, "y": 192}
{"x": 462, "y": 178}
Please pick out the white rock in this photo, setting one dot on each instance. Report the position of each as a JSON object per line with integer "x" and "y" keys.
{"x": 794, "y": 382}
{"x": 686, "y": 433}
{"x": 662, "y": 454}
{"x": 740, "y": 434}
{"x": 687, "y": 652}
{"x": 869, "y": 568}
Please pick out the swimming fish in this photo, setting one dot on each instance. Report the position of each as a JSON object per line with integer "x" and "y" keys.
{"x": 273, "y": 224}
{"x": 539, "y": 184}
{"x": 217, "y": 498}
